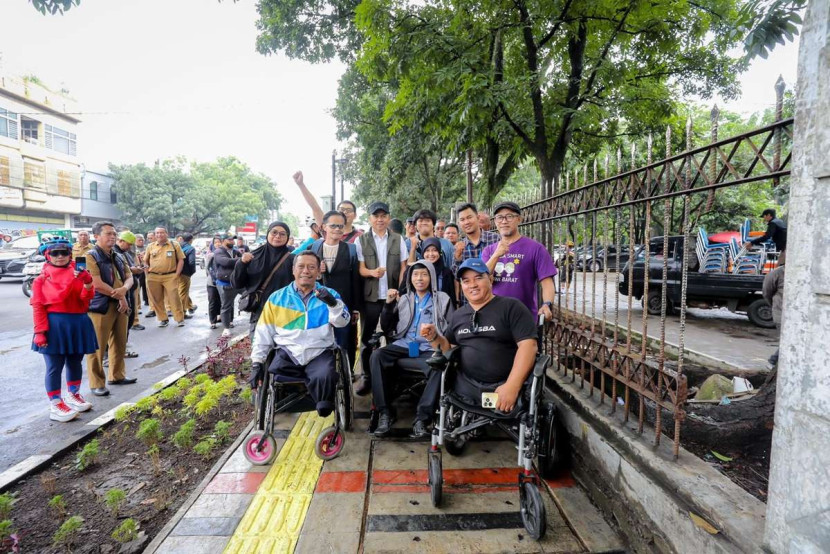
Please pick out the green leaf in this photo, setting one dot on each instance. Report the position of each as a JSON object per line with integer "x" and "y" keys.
{"x": 721, "y": 457}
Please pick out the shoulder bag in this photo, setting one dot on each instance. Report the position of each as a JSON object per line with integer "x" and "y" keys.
{"x": 251, "y": 301}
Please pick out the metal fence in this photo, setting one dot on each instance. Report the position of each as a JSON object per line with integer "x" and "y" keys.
{"x": 606, "y": 218}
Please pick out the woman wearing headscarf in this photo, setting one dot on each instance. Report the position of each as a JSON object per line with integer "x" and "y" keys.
{"x": 255, "y": 267}
{"x": 445, "y": 281}
{"x": 63, "y": 330}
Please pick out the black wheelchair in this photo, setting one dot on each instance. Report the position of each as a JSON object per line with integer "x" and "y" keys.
{"x": 531, "y": 424}
{"x": 280, "y": 393}
{"x": 409, "y": 379}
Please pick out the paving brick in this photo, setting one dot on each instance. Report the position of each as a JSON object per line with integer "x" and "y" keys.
{"x": 334, "y": 513}
{"x": 193, "y": 545}
{"x": 205, "y": 526}
{"x": 220, "y": 505}
{"x": 333, "y": 543}
{"x": 246, "y": 483}
{"x": 237, "y": 463}
{"x": 341, "y": 481}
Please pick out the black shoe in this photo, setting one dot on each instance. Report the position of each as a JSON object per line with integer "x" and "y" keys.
{"x": 151, "y": 313}
{"x": 124, "y": 381}
{"x": 164, "y": 323}
{"x": 364, "y": 386}
{"x": 193, "y": 309}
{"x": 419, "y": 430}
{"x": 103, "y": 391}
{"x": 169, "y": 313}
{"x": 138, "y": 327}
{"x": 385, "y": 422}
{"x": 188, "y": 316}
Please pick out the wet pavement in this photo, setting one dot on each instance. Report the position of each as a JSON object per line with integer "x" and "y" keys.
{"x": 25, "y": 406}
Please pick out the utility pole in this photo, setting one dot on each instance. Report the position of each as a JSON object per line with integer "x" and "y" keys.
{"x": 333, "y": 178}
{"x": 469, "y": 175}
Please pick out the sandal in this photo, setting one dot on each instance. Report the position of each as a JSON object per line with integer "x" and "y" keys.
{"x": 130, "y": 354}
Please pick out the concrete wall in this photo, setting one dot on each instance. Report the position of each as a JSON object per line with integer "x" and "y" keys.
{"x": 798, "y": 513}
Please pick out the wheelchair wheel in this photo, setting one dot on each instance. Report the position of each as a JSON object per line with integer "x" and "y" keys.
{"x": 327, "y": 447}
{"x": 260, "y": 449}
{"x": 436, "y": 478}
{"x": 344, "y": 395}
{"x": 455, "y": 447}
{"x": 551, "y": 457}
{"x": 533, "y": 510}
{"x": 262, "y": 401}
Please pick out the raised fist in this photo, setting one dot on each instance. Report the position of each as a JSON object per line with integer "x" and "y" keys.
{"x": 327, "y": 297}
{"x": 391, "y": 295}
{"x": 84, "y": 277}
{"x": 40, "y": 340}
{"x": 247, "y": 257}
{"x": 298, "y": 178}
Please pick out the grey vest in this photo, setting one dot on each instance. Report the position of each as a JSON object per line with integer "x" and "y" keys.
{"x": 371, "y": 287}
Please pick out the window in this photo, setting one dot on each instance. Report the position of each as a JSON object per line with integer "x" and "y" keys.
{"x": 113, "y": 197}
{"x": 61, "y": 141}
{"x": 93, "y": 190}
{"x": 29, "y": 129}
{"x": 34, "y": 175}
{"x": 8, "y": 124}
{"x": 5, "y": 173}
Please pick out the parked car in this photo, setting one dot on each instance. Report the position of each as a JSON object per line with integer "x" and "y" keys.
{"x": 737, "y": 293}
{"x": 596, "y": 262}
{"x": 15, "y": 254}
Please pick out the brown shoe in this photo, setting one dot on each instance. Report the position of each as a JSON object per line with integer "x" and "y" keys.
{"x": 363, "y": 386}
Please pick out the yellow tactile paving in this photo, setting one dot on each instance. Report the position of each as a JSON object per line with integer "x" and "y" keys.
{"x": 275, "y": 517}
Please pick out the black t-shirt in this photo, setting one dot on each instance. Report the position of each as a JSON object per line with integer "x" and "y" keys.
{"x": 489, "y": 337}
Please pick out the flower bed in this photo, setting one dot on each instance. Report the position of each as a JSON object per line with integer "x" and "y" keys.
{"x": 129, "y": 481}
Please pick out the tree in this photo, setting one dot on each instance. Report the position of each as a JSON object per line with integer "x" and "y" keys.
{"x": 53, "y": 6}
{"x": 193, "y": 197}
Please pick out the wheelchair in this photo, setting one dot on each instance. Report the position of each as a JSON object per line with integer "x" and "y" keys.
{"x": 531, "y": 424}
{"x": 410, "y": 379}
{"x": 279, "y": 393}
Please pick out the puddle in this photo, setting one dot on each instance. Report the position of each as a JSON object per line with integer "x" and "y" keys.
{"x": 155, "y": 363}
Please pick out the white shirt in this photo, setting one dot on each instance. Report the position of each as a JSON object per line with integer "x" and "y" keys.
{"x": 381, "y": 246}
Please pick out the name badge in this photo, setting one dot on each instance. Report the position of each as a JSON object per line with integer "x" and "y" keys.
{"x": 489, "y": 400}
{"x": 169, "y": 253}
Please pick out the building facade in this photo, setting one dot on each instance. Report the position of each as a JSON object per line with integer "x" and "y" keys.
{"x": 40, "y": 171}
{"x": 97, "y": 200}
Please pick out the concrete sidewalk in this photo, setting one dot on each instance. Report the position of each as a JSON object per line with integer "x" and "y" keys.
{"x": 374, "y": 498}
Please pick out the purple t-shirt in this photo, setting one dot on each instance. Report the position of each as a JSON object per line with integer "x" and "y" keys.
{"x": 517, "y": 272}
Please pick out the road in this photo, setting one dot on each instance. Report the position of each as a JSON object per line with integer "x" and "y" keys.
{"x": 25, "y": 406}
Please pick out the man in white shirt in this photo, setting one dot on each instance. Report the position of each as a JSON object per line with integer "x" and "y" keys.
{"x": 382, "y": 256}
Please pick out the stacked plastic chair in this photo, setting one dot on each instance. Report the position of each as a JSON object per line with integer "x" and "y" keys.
{"x": 743, "y": 262}
{"x": 713, "y": 257}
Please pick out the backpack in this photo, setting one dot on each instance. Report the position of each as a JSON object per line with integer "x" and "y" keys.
{"x": 317, "y": 248}
{"x": 189, "y": 268}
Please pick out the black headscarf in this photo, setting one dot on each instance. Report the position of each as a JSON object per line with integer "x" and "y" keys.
{"x": 435, "y": 242}
{"x": 267, "y": 256}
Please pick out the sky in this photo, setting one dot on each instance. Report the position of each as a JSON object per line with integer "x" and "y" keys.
{"x": 162, "y": 78}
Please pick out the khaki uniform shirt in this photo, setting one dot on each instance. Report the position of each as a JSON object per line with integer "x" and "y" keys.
{"x": 95, "y": 271}
{"x": 163, "y": 259}
{"x": 80, "y": 251}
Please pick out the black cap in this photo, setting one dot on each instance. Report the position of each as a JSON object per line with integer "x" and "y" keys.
{"x": 410, "y": 220}
{"x": 768, "y": 211}
{"x": 375, "y": 207}
{"x": 227, "y": 236}
{"x": 512, "y": 206}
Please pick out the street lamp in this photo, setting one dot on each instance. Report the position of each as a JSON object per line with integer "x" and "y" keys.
{"x": 334, "y": 161}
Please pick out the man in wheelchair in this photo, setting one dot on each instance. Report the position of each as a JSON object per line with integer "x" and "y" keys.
{"x": 401, "y": 320}
{"x": 297, "y": 320}
{"x": 497, "y": 337}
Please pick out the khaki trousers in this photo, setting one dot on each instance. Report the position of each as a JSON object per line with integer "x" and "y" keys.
{"x": 111, "y": 331}
{"x": 136, "y": 305}
{"x": 184, "y": 292}
{"x": 164, "y": 291}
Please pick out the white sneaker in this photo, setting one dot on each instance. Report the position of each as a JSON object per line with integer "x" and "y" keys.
{"x": 180, "y": 324}
{"x": 61, "y": 412}
{"x": 75, "y": 401}
{"x": 226, "y": 333}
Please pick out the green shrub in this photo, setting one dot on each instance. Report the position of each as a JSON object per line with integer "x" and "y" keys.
{"x": 222, "y": 431}
{"x": 170, "y": 393}
{"x": 58, "y": 506}
{"x": 184, "y": 436}
{"x": 201, "y": 379}
{"x": 206, "y": 405}
{"x": 246, "y": 395}
{"x": 123, "y": 412}
{"x": 126, "y": 532}
{"x": 149, "y": 431}
{"x": 114, "y": 499}
{"x": 184, "y": 383}
{"x": 7, "y": 500}
{"x": 153, "y": 452}
{"x": 193, "y": 396}
{"x": 205, "y": 447}
{"x": 88, "y": 455}
{"x": 6, "y": 530}
{"x": 146, "y": 404}
{"x": 68, "y": 532}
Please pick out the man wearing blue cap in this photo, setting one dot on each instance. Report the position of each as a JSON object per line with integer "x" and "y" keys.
{"x": 497, "y": 336}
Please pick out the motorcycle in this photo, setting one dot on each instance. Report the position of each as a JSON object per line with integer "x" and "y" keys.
{"x": 32, "y": 269}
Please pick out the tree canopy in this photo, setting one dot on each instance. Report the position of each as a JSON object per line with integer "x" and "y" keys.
{"x": 193, "y": 196}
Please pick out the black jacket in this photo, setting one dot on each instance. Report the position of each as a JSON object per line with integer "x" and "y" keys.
{"x": 777, "y": 232}
{"x": 224, "y": 261}
{"x": 344, "y": 276}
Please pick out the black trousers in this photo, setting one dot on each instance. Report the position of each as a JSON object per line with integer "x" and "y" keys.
{"x": 369, "y": 319}
{"x": 142, "y": 283}
{"x": 383, "y": 370}
{"x": 470, "y": 389}
{"x": 214, "y": 304}
{"x": 319, "y": 375}
{"x": 228, "y": 297}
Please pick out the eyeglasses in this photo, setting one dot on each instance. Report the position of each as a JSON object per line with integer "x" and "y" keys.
{"x": 54, "y": 253}
{"x": 506, "y": 217}
{"x": 278, "y": 234}
{"x": 347, "y": 210}
{"x": 335, "y": 225}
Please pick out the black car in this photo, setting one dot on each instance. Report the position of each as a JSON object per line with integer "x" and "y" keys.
{"x": 737, "y": 293}
{"x": 596, "y": 262}
{"x": 15, "y": 254}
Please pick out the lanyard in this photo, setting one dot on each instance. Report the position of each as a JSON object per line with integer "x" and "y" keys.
{"x": 419, "y": 307}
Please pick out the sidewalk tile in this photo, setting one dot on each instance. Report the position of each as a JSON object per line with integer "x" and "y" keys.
{"x": 193, "y": 545}
{"x": 205, "y": 526}
{"x": 235, "y": 483}
{"x": 342, "y": 481}
{"x": 333, "y": 543}
{"x": 334, "y": 513}
{"x": 237, "y": 463}
{"x": 220, "y": 505}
